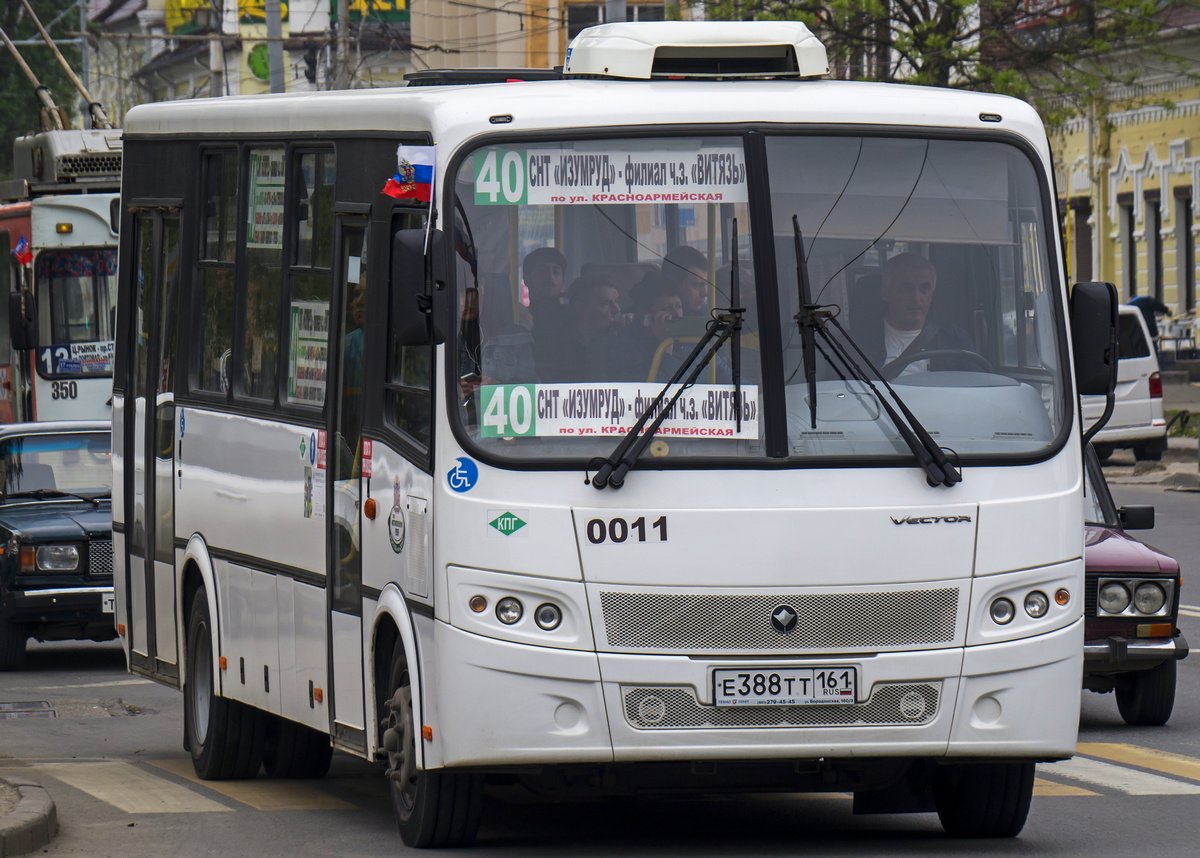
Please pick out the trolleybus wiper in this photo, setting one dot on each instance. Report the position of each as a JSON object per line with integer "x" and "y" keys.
{"x": 724, "y": 325}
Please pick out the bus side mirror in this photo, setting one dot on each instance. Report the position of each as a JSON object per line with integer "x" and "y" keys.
{"x": 415, "y": 278}
{"x": 1094, "y": 337}
{"x": 22, "y": 320}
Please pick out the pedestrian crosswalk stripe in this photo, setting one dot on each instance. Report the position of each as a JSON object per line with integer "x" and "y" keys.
{"x": 1119, "y": 778}
{"x": 1146, "y": 758}
{"x": 1042, "y": 787}
{"x": 129, "y": 788}
{"x": 260, "y": 793}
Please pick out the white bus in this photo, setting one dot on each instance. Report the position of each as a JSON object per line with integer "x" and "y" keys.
{"x": 58, "y": 231}
{"x": 395, "y": 476}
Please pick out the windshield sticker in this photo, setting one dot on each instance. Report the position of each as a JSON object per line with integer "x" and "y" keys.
{"x": 463, "y": 476}
{"x": 543, "y": 410}
{"x": 569, "y": 177}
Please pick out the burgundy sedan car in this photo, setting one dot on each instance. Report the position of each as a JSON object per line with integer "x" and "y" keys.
{"x": 1131, "y": 606}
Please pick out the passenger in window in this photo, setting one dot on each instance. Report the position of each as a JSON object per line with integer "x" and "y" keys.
{"x": 587, "y": 351}
{"x": 686, "y": 270}
{"x": 547, "y": 316}
{"x": 906, "y": 295}
{"x": 655, "y": 305}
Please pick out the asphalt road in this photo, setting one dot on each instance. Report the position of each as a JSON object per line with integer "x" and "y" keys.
{"x": 113, "y": 761}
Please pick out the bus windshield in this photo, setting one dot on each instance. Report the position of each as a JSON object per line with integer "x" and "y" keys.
{"x": 587, "y": 270}
{"x": 77, "y": 288}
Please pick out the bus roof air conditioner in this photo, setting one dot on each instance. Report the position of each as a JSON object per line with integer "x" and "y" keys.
{"x": 697, "y": 49}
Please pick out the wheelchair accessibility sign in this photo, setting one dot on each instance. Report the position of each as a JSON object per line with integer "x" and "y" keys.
{"x": 463, "y": 476}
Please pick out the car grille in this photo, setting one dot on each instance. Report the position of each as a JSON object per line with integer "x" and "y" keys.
{"x": 707, "y": 623}
{"x": 100, "y": 558}
{"x": 677, "y": 708}
{"x": 1090, "y": 588}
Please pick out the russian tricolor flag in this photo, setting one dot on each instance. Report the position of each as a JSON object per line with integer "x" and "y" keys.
{"x": 22, "y": 251}
{"x": 414, "y": 174}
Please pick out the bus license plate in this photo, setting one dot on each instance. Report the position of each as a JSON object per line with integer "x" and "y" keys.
{"x": 790, "y": 686}
{"x": 108, "y": 603}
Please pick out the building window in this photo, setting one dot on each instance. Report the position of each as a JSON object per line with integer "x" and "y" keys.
{"x": 1081, "y": 239}
{"x": 1185, "y": 252}
{"x": 582, "y": 15}
{"x": 1154, "y": 251}
{"x": 1128, "y": 250}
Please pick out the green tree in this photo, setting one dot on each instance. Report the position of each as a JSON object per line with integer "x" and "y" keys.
{"x": 18, "y": 102}
{"x": 1056, "y": 53}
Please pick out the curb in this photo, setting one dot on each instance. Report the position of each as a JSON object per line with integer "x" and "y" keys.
{"x": 31, "y": 824}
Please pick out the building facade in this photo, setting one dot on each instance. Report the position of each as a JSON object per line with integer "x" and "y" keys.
{"x": 1128, "y": 175}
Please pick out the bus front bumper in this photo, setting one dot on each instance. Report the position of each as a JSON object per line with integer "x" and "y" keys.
{"x": 505, "y": 704}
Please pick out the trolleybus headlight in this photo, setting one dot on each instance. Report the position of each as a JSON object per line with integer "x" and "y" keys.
{"x": 1036, "y": 604}
{"x": 1113, "y": 597}
{"x": 1003, "y": 612}
{"x": 509, "y": 610}
{"x": 1149, "y": 597}
{"x": 57, "y": 558}
{"x": 547, "y": 617}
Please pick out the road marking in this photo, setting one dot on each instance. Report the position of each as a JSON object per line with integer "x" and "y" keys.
{"x": 1050, "y": 788}
{"x": 260, "y": 793}
{"x": 1119, "y": 778}
{"x": 1146, "y": 758}
{"x": 1190, "y": 612}
{"x": 1191, "y": 607}
{"x": 113, "y": 684}
{"x": 131, "y": 789}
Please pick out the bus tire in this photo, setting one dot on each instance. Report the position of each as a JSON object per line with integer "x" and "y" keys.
{"x": 295, "y": 751}
{"x": 13, "y": 637}
{"x": 433, "y": 809}
{"x": 983, "y": 799}
{"x": 1146, "y": 698}
{"x": 225, "y": 737}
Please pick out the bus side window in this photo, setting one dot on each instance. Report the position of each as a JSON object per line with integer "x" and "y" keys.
{"x": 216, "y": 269}
{"x": 264, "y": 265}
{"x": 311, "y": 277}
{"x": 409, "y": 406}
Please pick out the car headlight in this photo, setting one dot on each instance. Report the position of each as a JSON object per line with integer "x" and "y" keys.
{"x": 1113, "y": 598}
{"x": 1149, "y": 597}
{"x": 57, "y": 558}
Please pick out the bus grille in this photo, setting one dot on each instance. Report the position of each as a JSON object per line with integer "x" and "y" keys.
{"x": 100, "y": 558}
{"x": 87, "y": 166}
{"x": 672, "y": 708}
{"x": 705, "y": 622}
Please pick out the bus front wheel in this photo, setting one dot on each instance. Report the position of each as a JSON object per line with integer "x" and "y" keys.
{"x": 13, "y": 638}
{"x": 983, "y": 799}
{"x": 433, "y": 809}
{"x": 225, "y": 737}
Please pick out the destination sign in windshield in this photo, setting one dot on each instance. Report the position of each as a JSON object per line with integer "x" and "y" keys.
{"x": 564, "y": 177}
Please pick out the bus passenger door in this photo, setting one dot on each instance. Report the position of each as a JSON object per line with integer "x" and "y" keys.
{"x": 150, "y": 425}
{"x": 344, "y": 456}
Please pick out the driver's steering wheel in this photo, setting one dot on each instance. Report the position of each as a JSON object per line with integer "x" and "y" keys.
{"x": 891, "y": 370}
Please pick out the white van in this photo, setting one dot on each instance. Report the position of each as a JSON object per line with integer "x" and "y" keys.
{"x": 1137, "y": 421}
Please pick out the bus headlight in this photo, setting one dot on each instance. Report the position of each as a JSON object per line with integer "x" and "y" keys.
{"x": 509, "y": 610}
{"x": 1149, "y": 598}
{"x": 1036, "y": 604}
{"x": 1113, "y": 597}
{"x": 548, "y": 617}
{"x": 1002, "y": 612}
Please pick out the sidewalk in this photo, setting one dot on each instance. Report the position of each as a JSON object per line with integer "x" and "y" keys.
{"x": 28, "y": 819}
{"x": 1179, "y": 468}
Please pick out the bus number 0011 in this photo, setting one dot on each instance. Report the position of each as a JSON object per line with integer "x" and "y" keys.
{"x": 64, "y": 390}
{"x": 619, "y": 530}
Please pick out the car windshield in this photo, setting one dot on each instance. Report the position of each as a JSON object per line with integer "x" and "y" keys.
{"x": 586, "y": 271}
{"x": 74, "y": 463}
{"x": 1098, "y": 506}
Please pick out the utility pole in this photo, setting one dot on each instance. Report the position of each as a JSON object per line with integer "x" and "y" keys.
{"x": 274, "y": 45}
{"x": 343, "y": 46}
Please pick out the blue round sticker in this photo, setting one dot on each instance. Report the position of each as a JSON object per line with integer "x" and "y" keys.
{"x": 463, "y": 476}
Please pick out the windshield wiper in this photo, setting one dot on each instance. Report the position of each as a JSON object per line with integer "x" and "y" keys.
{"x": 807, "y": 320}
{"x": 46, "y": 494}
{"x": 612, "y": 472}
